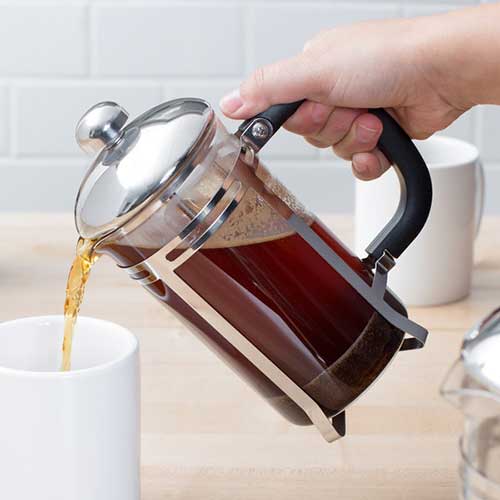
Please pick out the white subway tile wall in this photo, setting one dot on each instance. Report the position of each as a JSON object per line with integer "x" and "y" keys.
{"x": 62, "y": 56}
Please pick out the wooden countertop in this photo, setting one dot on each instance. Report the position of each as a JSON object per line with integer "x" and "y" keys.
{"x": 206, "y": 435}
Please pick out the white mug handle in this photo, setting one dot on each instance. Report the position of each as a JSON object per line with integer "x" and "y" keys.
{"x": 480, "y": 196}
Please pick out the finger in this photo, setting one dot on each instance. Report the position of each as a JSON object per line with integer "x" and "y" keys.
{"x": 369, "y": 166}
{"x": 323, "y": 33}
{"x": 284, "y": 81}
{"x": 316, "y": 143}
{"x": 309, "y": 119}
{"x": 362, "y": 137}
{"x": 337, "y": 126}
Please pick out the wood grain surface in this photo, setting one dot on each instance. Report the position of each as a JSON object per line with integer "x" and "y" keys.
{"x": 206, "y": 435}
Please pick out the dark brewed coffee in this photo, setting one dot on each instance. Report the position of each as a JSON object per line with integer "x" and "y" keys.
{"x": 294, "y": 307}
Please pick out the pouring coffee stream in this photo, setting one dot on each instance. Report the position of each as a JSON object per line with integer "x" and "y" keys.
{"x": 190, "y": 213}
{"x": 75, "y": 288}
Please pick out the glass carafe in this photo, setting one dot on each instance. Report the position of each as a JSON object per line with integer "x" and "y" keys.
{"x": 190, "y": 212}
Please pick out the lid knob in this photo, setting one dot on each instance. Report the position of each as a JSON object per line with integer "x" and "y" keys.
{"x": 100, "y": 126}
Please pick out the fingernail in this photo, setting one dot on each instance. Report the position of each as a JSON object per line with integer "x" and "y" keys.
{"x": 359, "y": 167}
{"x": 365, "y": 134}
{"x": 231, "y": 102}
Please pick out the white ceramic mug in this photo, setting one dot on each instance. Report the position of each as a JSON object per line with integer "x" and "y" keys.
{"x": 437, "y": 267}
{"x": 68, "y": 435}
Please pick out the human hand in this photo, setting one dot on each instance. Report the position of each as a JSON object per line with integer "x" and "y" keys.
{"x": 342, "y": 72}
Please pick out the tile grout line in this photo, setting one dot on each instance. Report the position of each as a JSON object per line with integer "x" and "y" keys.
{"x": 8, "y": 131}
{"x": 91, "y": 40}
{"x": 13, "y": 122}
{"x": 91, "y": 77}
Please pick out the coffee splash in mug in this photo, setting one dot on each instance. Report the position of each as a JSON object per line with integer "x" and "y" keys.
{"x": 75, "y": 288}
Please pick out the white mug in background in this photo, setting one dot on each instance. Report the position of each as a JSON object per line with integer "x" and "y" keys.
{"x": 437, "y": 267}
{"x": 68, "y": 435}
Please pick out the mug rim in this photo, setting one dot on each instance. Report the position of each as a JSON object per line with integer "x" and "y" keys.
{"x": 471, "y": 156}
{"x": 130, "y": 351}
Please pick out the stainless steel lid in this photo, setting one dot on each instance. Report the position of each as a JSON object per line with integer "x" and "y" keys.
{"x": 136, "y": 163}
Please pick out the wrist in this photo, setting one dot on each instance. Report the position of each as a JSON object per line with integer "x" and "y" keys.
{"x": 439, "y": 58}
{"x": 457, "y": 53}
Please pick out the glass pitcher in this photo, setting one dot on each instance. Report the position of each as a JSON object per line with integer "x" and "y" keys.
{"x": 473, "y": 386}
{"x": 190, "y": 213}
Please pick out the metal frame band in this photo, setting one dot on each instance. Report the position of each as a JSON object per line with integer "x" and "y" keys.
{"x": 158, "y": 266}
{"x": 198, "y": 232}
{"x": 374, "y": 294}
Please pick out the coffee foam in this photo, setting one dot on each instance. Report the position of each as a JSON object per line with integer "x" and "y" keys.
{"x": 253, "y": 221}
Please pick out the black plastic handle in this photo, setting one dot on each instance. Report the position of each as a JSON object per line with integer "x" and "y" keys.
{"x": 416, "y": 187}
{"x": 273, "y": 118}
{"x": 279, "y": 113}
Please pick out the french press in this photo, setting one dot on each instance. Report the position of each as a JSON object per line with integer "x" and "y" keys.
{"x": 190, "y": 213}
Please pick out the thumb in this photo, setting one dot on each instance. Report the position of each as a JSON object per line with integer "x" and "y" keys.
{"x": 284, "y": 81}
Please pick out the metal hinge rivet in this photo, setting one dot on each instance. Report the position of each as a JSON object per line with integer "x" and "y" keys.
{"x": 260, "y": 130}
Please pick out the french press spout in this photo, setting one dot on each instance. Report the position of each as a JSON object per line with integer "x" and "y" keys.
{"x": 190, "y": 212}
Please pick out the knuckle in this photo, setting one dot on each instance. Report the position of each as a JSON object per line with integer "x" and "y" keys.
{"x": 425, "y": 126}
{"x": 322, "y": 34}
{"x": 319, "y": 37}
{"x": 252, "y": 88}
{"x": 420, "y": 134}
{"x": 341, "y": 152}
{"x": 339, "y": 125}
{"x": 366, "y": 146}
{"x": 308, "y": 45}
{"x": 316, "y": 142}
{"x": 259, "y": 77}
{"x": 383, "y": 161}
